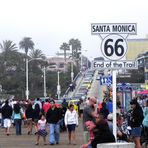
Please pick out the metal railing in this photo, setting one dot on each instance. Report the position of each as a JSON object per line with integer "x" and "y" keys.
{"x": 68, "y": 89}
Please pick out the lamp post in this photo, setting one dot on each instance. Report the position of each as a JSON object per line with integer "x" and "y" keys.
{"x": 58, "y": 86}
{"x": 44, "y": 71}
{"x": 72, "y": 73}
{"x": 27, "y": 90}
{"x": 27, "y": 61}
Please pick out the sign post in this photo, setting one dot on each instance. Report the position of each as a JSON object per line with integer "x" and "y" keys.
{"x": 114, "y": 48}
{"x": 114, "y": 105}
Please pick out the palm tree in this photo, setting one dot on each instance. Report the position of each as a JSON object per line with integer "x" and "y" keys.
{"x": 36, "y": 53}
{"x": 76, "y": 50}
{"x": 76, "y": 47}
{"x": 8, "y": 46}
{"x": 65, "y": 47}
{"x": 26, "y": 43}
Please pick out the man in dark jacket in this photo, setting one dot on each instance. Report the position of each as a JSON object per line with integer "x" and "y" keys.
{"x": 7, "y": 113}
{"x": 53, "y": 117}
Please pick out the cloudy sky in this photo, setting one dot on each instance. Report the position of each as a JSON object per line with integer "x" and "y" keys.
{"x": 51, "y": 22}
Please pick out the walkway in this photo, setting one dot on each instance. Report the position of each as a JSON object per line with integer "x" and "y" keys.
{"x": 28, "y": 141}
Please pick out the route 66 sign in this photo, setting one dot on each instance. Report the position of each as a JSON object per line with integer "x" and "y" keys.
{"x": 114, "y": 44}
{"x": 114, "y": 47}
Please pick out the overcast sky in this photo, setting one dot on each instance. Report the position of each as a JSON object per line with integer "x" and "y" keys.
{"x": 51, "y": 22}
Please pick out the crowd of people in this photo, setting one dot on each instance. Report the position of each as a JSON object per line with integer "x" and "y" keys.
{"x": 97, "y": 119}
{"x": 40, "y": 117}
{"x": 131, "y": 126}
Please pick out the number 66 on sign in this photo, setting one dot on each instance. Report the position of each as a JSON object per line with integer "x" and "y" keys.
{"x": 114, "y": 47}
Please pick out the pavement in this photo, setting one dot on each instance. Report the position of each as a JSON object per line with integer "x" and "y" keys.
{"x": 28, "y": 141}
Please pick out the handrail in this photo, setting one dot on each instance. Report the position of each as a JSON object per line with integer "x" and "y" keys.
{"x": 68, "y": 89}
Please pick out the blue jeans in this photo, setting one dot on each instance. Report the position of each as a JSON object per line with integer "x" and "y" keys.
{"x": 18, "y": 123}
{"x": 54, "y": 134}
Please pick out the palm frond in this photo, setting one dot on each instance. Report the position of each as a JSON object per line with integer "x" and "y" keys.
{"x": 36, "y": 53}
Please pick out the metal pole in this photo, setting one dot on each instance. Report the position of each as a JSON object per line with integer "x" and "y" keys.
{"x": 58, "y": 86}
{"x": 114, "y": 105}
{"x": 58, "y": 78}
{"x": 27, "y": 91}
{"x": 72, "y": 74}
{"x": 27, "y": 61}
{"x": 45, "y": 94}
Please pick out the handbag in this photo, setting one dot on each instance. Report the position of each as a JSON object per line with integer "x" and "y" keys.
{"x": 23, "y": 115}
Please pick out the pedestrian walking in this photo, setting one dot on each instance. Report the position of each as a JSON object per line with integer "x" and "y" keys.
{"x": 41, "y": 128}
{"x": 81, "y": 108}
{"x": 46, "y": 106}
{"x": 71, "y": 121}
{"x": 89, "y": 114}
{"x": 145, "y": 123}
{"x": 29, "y": 116}
{"x": 36, "y": 116}
{"x": 38, "y": 101}
{"x": 136, "y": 122}
{"x": 53, "y": 117}
{"x": 6, "y": 114}
{"x": 17, "y": 117}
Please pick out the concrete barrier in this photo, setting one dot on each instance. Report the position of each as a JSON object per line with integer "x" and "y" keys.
{"x": 116, "y": 145}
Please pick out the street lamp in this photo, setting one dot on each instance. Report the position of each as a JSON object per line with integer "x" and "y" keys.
{"x": 27, "y": 61}
{"x": 72, "y": 73}
{"x": 58, "y": 86}
{"x": 44, "y": 72}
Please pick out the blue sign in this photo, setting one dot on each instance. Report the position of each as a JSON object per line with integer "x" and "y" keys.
{"x": 124, "y": 87}
{"x": 106, "y": 80}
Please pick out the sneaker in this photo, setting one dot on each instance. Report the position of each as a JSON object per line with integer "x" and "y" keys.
{"x": 37, "y": 143}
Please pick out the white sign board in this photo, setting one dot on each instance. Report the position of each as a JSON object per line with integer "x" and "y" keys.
{"x": 115, "y": 65}
{"x": 111, "y": 28}
{"x": 114, "y": 43}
